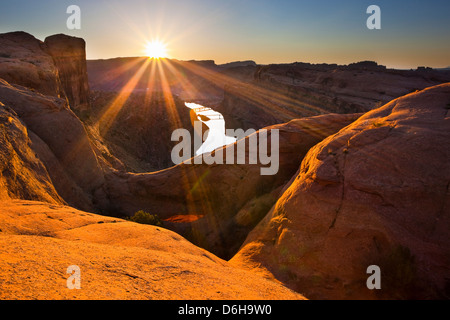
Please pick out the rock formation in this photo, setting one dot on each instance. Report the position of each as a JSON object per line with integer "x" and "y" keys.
{"x": 352, "y": 190}
{"x": 376, "y": 193}
{"x": 227, "y": 199}
{"x": 69, "y": 55}
{"x": 22, "y": 174}
{"x": 23, "y": 61}
{"x": 117, "y": 260}
{"x": 61, "y": 141}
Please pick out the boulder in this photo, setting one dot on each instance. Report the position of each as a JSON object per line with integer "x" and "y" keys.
{"x": 376, "y": 193}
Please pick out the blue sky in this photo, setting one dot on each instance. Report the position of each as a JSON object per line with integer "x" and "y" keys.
{"x": 413, "y": 32}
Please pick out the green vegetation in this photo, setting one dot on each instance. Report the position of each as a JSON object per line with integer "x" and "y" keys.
{"x": 143, "y": 217}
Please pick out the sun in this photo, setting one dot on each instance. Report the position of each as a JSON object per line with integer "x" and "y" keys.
{"x": 156, "y": 50}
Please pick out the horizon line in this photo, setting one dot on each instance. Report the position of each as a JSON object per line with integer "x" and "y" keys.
{"x": 389, "y": 67}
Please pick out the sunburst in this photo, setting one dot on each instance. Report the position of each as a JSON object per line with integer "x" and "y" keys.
{"x": 156, "y": 50}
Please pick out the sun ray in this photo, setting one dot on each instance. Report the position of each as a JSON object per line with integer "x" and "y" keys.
{"x": 264, "y": 98}
{"x": 151, "y": 83}
{"x": 168, "y": 97}
{"x": 110, "y": 113}
{"x": 189, "y": 176}
{"x": 186, "y": 85}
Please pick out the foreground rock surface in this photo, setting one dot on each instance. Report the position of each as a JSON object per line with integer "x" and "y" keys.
{"x": 118, "y": 260}
{"x": 376, "y": 193}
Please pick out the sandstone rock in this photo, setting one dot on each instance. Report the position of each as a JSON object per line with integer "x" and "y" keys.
{"x": 61, "y": 179}
{"x": 22, "y": 174}
{"x": 217, "y": 193}
{"x": 23, "y": 61}
{"x": 117, "y": 260}
{"x": 69, "y": 55}
{"x": 376, "y": 193}
{"x": 56, "y": 125}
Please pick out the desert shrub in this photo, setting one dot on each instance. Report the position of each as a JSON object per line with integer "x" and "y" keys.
{"x": 143, "y": 217}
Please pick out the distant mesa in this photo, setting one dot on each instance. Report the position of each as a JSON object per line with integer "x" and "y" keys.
{"x": 366, "y": 65}
{"x": 237, "y": 64}
{"x": 424, "y": 69}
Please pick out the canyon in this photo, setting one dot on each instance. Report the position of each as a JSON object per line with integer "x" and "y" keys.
{"x": 363, "y": 178}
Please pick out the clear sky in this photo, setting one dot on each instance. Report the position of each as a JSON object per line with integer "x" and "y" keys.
{"x": 414, "y": 33}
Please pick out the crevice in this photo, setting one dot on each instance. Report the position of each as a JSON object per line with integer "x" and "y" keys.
{"x": 342, "y": 175}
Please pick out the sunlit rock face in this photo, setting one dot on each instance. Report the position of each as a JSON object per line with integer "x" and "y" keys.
{"x": 117, "y": 259}
{"x": 24, "y": 61}
{"x": 23, "y": 175}
{"x": 376, "y": 193}
{"x": 60, "y": 141}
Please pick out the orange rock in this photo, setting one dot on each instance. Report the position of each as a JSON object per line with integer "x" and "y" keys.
{"x": 61, "y": 141}
{"x": 22, "y": 174}
{"x": 23, "y": 61}
{"x": 220, "y": 192}
{"x": 376, "y": 193}
{"x": 69, "y": 56}
{"x": 117, "y": 260}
